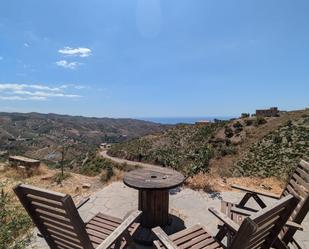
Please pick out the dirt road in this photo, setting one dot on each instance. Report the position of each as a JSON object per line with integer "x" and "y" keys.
{"x": 103, "y": 153}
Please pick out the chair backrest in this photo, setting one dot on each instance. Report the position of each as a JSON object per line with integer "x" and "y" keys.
{"x": 56, "y": 217}
{"x": 298, "y": 185}
{"x": 261, "y": 229}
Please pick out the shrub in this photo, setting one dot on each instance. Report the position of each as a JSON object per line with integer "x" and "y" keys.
{"x": 201, "y": 160}
{"x": 277, "y": 139}
{"x": 58, "y": 178}
{"x": 228, "y": 132}
{"x": 227, "y": 150}
{"x": 238, "y": 127}
{"x": 95, "y": 166}
{"x": 13, "y": 222}
{"x": 245, "y": 115}
{"x": 248, "y": 122}
{"x": 259, "y": 120}
{"x": 289, "y": 123}
{"x": 107, "y": 173}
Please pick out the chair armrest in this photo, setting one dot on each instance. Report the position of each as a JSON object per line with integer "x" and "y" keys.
{"x": 82, "y": 202}
{"x": 107, "y": 243}
{"x": 254, "y": 191}
{"x": 225, "y": 219}
{"x": 294, "y": 225}
{"x": 165, "y": 240}
{"x": 241, "y": 211}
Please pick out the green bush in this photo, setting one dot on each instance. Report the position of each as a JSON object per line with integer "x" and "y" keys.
{"x": 58, "y": 178}
{"x": 95, "y": 166}
{"x": 13, "y": 223}
{"x": 238, "y": 127}
{"x": 289, "y": 123}
{"x": 259, "y": 120}
{"x": 277, "y": 139}
{"x": 245, "y": 115}
{"x": 248, "y": 122}
{"x": 201, "y": 160}
{"x": 228, "y": 132}
{"x": 227, "y": 150}
{"x": 107, "y": 174}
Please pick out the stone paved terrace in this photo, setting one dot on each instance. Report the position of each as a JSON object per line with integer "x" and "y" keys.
{"x": 192, "y": 206}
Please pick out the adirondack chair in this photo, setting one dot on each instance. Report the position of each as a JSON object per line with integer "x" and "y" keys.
{"x": 298, "y": 186}
{"x": 59, "y": 222}
{"x": 257, "y": 231}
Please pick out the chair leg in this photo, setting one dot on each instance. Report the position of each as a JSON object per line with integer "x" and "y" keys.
{"x": 246, "y": 198}
{"x": 222, "y": 232}
{"x": 259, "y": 201}
{"x": 118, "y": 244}
{"x": 129, "y": 240}
{"x": 279, "y": 244}
{"x": 295, "y": 244}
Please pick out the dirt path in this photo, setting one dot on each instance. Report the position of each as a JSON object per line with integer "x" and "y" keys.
{"x": 133, "y": 163}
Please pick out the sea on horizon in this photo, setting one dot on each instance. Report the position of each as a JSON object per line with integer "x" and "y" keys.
{"x": 184, "y": 120}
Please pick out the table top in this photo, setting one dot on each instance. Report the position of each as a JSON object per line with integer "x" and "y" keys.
{"x": 154, "y": 178}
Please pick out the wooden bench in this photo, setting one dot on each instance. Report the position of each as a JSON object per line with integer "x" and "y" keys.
{"x": 257, "y": 231}
{"x": 59, "y": 222}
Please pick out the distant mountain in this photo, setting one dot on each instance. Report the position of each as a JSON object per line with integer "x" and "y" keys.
{"x": 249, "y": 146}
{"x": 42, "y": 135}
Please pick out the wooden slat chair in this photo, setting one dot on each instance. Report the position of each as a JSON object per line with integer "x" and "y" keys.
{"x": 298, "y": 186}
{"x": 257, "y": 231}
{"x": 59, "y": 222}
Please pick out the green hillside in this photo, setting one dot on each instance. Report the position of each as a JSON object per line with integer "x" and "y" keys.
{"x": 249, "y": 146}
{"x": 278, "y": 152}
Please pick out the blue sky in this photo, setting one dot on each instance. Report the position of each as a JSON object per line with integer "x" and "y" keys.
{"x": 152, "y": 58}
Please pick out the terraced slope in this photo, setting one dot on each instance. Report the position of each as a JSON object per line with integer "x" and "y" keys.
{"x": 246, "y": 146}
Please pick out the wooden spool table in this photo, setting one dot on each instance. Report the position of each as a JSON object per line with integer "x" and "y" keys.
{"x": 153, "y": 186}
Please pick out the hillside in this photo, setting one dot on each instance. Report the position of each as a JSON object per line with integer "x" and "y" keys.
{"x": 248, "y": 146}
{"x": 41, "y": 136}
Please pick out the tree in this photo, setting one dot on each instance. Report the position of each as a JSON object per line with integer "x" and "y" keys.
{"x": 245, "y": 115}
{"x": 64, "y": 150}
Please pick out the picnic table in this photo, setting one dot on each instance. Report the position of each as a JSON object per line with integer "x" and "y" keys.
{"x": 153, "y": 186}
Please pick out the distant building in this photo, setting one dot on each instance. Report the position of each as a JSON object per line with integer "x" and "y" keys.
{"x": 202, "y": 122}
{"x": 271, "y": 112}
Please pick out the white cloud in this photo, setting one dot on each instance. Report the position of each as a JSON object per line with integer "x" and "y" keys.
{"x": 26, "y": 45}
{"x": 13, "y": 91}
{"x": 15, "y": 87}
{"x": 81, "y": 52}
{"x": 21, "y": 98}
{"x": 46, "y": 94}
{"x": 78, "y": 87}
{"x": 68, "y": 65}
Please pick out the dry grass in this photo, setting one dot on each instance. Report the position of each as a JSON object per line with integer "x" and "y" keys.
{"x": 73, "y": 185}
{"x": 118, "y": 175}
{"x": 9, "y": 177}
{"x": 206, "y": 182}
{"x": 214, "y": 183}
